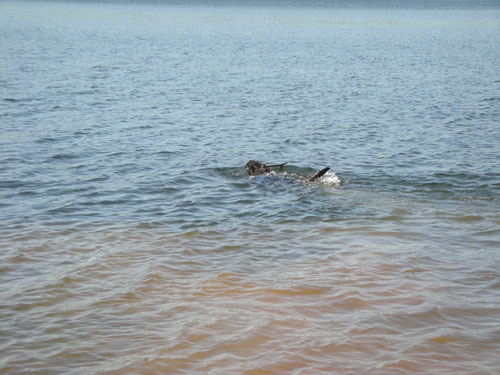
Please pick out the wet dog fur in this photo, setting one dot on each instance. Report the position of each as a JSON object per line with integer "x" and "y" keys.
{"x": 255, "y": 167}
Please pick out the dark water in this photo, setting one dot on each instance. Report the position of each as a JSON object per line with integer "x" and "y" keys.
{"x": 132, "y": 241}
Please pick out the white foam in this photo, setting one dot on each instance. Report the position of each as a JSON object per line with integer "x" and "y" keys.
{"x": 329, "y": 179}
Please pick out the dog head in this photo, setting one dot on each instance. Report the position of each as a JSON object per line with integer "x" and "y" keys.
{"x": 255, "y": 168}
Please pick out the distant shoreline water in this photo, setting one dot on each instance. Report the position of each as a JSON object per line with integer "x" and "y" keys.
{"x": 353, "y": 4}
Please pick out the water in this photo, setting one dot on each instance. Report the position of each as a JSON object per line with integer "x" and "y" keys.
{"x": 132, "y": 240}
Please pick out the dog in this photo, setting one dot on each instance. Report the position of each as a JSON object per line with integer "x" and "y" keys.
{"x": 255, "y": 168}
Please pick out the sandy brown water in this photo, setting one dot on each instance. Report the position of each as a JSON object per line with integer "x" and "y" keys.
{"x": 141, "y": 301}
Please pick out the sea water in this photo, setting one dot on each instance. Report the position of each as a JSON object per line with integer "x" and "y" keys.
{"x": 133, "y": 241}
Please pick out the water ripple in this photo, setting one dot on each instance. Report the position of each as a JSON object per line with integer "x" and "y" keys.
{"x": 133, "y": 240}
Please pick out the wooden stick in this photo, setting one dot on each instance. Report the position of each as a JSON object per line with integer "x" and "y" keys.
{"x": 277, "y": 165}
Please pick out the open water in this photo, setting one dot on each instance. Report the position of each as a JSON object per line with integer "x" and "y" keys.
{"x": 132, "y": 241}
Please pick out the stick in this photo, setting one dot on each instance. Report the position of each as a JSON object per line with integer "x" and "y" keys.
{"x": 277, "y": 165}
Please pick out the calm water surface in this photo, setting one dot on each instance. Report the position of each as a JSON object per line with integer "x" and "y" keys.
{"x": 132, "y": 241}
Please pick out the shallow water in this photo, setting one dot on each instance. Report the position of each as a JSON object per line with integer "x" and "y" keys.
{"x": 132, "y": 240}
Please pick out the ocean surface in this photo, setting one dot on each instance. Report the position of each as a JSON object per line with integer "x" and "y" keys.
{"x": 132, "y": 240}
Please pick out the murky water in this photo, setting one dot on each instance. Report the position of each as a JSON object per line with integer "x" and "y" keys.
{"x": 132, "y": 240}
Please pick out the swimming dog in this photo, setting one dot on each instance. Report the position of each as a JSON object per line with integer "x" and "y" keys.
{"x": 255, "y": 168}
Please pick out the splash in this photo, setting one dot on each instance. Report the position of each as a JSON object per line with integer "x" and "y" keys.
{"x": 329, "y": 179}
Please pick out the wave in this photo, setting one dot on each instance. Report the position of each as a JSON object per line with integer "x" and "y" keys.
{"x": 452, "y": 185}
